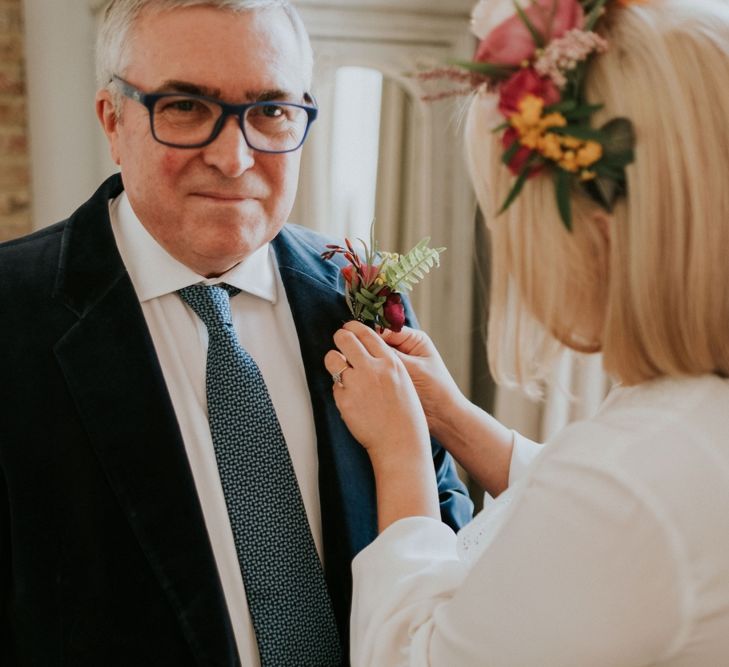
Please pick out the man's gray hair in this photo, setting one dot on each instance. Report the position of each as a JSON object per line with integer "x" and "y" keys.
{"x": 112, "y": 44}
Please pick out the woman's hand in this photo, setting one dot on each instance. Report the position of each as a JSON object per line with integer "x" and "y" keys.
{"x": 480, "y": 443}
{"x": 376, "y": 396}
{"x": 379, "y": 404}
{"x": 439, "y": 394}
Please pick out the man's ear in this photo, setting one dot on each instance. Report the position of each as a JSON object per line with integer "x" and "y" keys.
{"x": 109, "y": 120}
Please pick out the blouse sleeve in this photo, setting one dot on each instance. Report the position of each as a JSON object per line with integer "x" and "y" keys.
{"x": 523, "y": 452}
{"x": 582, "y": 570}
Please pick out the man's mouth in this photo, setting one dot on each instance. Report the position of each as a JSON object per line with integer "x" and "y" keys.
{"x": 224, "y": 196}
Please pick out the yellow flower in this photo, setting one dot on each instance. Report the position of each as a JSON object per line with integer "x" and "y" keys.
{"x": 569, "y": 161}
{"x": 587, "y": 175}
{"x": 530, "y": 139}
{"x": 571, "y": 142}
{"x": 549, "y": 146}
{"x": 553, "y": 120}
{"x": 570, "y": 153}
{"x": 530, "y": 108}
{"x": 590, "y": 153}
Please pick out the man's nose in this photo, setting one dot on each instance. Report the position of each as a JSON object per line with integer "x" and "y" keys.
{"x": 229, "y": 152}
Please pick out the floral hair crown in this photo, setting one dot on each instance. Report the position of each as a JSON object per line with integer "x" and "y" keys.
{"x": 536, "y": 61}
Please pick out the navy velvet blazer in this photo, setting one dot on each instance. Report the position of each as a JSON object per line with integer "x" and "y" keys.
{"x": 104, "y": 555}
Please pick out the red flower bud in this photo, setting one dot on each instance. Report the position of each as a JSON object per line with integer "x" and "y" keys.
{"x": 520, "y": 157}
{"x": 350, "y": 275}
{"x": 369, "y": 272}
{"x": 394, "y": 311}
{"x": 526, "y": 82}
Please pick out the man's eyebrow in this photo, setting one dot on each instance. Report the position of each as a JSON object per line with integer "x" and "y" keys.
{"x": 176, "y": 86}
{"x": 268, "y": 95}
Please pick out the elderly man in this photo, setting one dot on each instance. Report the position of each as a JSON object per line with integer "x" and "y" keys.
{"x": 176, "y": 486}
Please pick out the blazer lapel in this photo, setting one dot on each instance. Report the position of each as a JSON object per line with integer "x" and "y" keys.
{"x": 111, "y": 369}
{"x": 346, "y": 482}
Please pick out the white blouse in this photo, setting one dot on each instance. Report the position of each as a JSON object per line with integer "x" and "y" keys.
{"x": 610, "y": 549}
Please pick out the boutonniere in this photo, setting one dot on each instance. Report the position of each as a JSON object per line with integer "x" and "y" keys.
{"x": 374, "y": 283}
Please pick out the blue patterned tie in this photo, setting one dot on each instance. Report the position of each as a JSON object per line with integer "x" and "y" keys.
{"x": 283, "y": 577}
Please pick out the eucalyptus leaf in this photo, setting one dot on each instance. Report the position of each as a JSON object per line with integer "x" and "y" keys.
{"x": 618, "y": 160}
{"x": 604, "y": 191}
{"x": 362, "y": 299}
{"x": 562, "y": 180}
{"x": 536, "y": 35}
{"x": 515, "y": 189}
{"x": 582, "y": 112}
{"x": 566, "y": 105}
{"x": 487, "y": 69}
{"x": 584, "y": 133}
{"x": 619, "y": 136}
{"x": 510, "y": 153}
{"x": 594, "y": 15}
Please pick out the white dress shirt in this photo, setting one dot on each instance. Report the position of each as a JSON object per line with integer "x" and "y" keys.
{"x": 610, "y": 550}
{"x": 265, "y": 327}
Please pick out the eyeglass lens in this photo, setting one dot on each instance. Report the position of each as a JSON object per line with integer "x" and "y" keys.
{"x": 268, "y": 126}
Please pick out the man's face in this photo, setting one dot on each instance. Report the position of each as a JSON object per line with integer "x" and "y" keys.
{"x": 208, "y": 207}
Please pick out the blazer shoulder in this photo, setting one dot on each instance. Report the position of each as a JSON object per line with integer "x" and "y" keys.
{"x": 35, "y": 239}
{"x": 31, "y": 257}
{"x": 313, "y": 240}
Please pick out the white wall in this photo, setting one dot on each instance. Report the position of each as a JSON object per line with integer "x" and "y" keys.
{"x": 66, "y": 161}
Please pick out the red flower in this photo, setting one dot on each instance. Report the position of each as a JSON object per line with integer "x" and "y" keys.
{"x": 526, "y": 82}
{"x": 510, "y": 43}
{"x": 349, "y": 274}
{"x": 520, "y": 157}
{"x": 394, "y": 311}
{"x": 367, "y": 273}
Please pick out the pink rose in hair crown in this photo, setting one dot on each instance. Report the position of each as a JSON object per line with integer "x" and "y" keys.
{"x": 511, "y": 43}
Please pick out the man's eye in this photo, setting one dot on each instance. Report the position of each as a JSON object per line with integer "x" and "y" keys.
{"x": 180, "y": 105}
{"x": 273, "y": 111}
{"x": 183, "y": 105}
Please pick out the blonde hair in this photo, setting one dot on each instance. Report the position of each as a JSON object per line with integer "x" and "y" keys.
{"x": 649, "y": 284}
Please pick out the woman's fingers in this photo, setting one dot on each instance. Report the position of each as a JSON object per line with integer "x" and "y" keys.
{"x": 408, "y": 341}
{"x": 335, "y": 362}
{"x": 369, "y": 340}
{"x": 351, "y": 348}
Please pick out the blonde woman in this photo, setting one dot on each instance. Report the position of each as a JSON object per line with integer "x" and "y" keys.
{"x": 609, "y": 545}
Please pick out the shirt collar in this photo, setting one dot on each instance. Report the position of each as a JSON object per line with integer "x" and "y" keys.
{"x": 154, "y": 272}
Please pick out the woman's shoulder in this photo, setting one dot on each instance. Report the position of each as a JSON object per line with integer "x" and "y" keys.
{"x": 663, "y": 448}
{"x": 660, "y": 417}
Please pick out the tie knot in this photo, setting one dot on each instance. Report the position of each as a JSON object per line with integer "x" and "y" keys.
{"x": 211, "y": 303}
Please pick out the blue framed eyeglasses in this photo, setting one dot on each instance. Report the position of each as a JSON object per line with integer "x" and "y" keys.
{"x": 183, "y": 120}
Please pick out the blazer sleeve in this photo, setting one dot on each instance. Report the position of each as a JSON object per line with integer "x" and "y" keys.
{"x": 6, "y": 648}
{"x": 456, "y": 508}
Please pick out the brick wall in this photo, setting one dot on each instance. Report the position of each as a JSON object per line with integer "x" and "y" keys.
{"x": 14, "y": 160}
